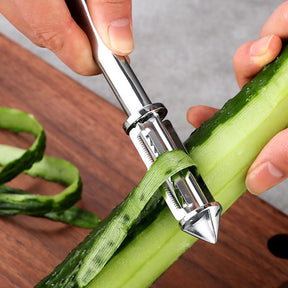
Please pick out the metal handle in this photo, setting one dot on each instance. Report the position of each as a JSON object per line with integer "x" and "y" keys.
{"x": 116, "y": 69}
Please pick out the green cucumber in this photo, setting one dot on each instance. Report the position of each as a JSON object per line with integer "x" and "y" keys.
{"x": 223, "y": 148}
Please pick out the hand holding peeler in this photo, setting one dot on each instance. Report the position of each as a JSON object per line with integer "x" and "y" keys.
{"x": 186, "y": 194}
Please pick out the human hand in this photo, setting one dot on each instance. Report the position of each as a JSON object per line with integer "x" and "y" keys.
{"x": 271, "y": 166}
{"x": 49, "y": 24}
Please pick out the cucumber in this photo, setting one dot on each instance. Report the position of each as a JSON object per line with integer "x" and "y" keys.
{"x": 223, "y": 149}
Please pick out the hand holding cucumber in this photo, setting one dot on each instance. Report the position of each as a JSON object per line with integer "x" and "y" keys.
{"x": 270, "y": 167}
{"x": 49, "y": 24}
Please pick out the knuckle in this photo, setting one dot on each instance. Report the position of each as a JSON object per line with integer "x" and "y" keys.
{"x": 49, "y": 39}
{"x": 52, "y": 34}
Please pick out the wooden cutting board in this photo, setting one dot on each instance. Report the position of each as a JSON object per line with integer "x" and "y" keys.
{"x": 85, "y": 129}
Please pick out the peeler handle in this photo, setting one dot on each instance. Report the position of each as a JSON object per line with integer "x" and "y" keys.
{"x": 191, "y": 204}
{"x": 116, "y": 69}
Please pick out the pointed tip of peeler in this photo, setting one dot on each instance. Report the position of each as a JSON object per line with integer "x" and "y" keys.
{"x": 205, "y": 223}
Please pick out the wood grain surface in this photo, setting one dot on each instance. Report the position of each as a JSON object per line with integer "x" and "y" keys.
{"x": 86, "y": 130}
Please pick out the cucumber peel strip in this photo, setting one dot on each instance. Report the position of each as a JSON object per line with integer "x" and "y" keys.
{"x": 88, "y": 259}
{"x": 19, "y": 121}
{"x": 15, "y": 161}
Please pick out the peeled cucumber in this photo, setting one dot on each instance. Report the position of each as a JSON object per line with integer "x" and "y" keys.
{"x": 223, "y": 149}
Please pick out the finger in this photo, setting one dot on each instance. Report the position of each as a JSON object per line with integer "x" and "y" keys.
{"x": 9, "y": 10}
{"x": 252, "y": 56}
{"x": 49, "y": 24}
{"x": 199, "y": 114}
{"x": 113, "y": 21}
{"x": 277, "y": 22}
{"x": 271, "y": 166}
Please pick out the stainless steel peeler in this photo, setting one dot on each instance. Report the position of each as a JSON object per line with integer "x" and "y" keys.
{"x": 186, "y": 194}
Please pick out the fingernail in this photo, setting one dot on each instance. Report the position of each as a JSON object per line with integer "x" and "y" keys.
{"x": 120, "y": 36}
{"x": 259, "y": 50}
{"x": 260, "y": 46}
{"x": 263, "y": 177}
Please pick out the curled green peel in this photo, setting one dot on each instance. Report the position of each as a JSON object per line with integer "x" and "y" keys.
{"x": 19, "y": 121}
{"x": 14, "y": 161}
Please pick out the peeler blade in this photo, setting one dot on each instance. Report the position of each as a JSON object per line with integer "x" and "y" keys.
{"x": 204, "y": 225}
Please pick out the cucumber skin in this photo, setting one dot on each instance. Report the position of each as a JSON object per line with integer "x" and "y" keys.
{"x": 19, "y": 121}
{"x": 32, "y": 161}
{"x": 49, "y": 168}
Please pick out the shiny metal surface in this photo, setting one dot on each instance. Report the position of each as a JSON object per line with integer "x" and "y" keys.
{"x": 185, "y": 193}
{"x": 116, "y": 69}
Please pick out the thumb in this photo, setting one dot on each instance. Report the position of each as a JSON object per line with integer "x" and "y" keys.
{"x": 271, "y": 166}
{"x": 113, "y": 21}
{"x": 252, "y": 56}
